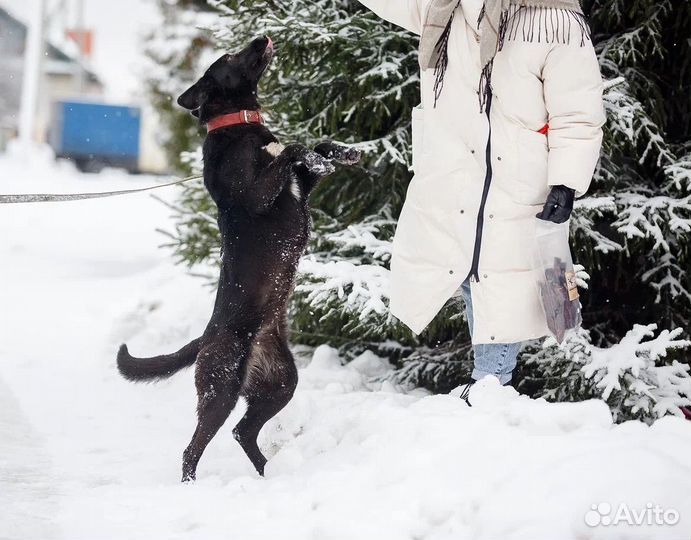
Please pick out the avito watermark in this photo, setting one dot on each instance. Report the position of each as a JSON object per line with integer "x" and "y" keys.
{"x": 604, "y": 515}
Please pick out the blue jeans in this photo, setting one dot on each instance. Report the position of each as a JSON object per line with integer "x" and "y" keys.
{"x": 498, "y": 359}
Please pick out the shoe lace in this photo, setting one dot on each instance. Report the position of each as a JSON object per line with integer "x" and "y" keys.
{"x": 466, "y": 392}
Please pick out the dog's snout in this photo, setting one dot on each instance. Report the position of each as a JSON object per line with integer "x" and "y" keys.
{"x": 263, "y": 44}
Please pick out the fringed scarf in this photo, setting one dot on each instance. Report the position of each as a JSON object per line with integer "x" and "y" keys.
{"x": 547, "y": 21}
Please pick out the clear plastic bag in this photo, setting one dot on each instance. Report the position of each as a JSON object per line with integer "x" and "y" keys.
{"x": 556, "y": 279}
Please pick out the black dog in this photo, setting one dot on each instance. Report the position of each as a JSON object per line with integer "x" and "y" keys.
{"x": 261, "y": 191}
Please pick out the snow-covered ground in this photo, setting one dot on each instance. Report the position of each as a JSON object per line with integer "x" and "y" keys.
{"x": 84, "y": 454}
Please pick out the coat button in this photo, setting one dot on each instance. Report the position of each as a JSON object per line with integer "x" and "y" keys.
{"x": 491, "y": 216}
{"x": 462, "y": 211}
{"x": 484, "y": 276}
{"x": 492, "y": 338}
{"x": 450, "y": 271}
{"x": 472, "y": 151}
{"x": 498, "y": 158}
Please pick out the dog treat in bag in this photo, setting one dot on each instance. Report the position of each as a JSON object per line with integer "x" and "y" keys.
{"x": 556, "y": 278}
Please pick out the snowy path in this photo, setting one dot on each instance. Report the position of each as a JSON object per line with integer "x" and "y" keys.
{"x": 83, "y": 454}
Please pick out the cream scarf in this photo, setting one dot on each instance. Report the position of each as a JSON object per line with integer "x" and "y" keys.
{"x": 494, "y": 21}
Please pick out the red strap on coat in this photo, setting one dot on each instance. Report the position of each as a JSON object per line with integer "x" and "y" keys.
{"x": 544, "y": 129}
{"x": 233, "y": 119}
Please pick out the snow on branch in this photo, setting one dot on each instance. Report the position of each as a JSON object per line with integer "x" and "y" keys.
{"x": 679, "y": 173}
{"x": 645, "y": 216}
{"x": 628, "y": 120}
{"x": 587, "y": 210}
{"x": 361, "y": 289}
{"x": 362, "y": 236}
{"x": 635, "y": 44}
{"x": 633, "y": 376}
{"x": 667, "y": 275}
{"x": 631, "y": 366}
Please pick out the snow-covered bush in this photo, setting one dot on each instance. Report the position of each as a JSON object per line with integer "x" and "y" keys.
{"x": 633, "y": 376}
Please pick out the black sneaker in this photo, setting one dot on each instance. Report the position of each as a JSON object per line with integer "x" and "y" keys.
{"x": 465, "y": 392}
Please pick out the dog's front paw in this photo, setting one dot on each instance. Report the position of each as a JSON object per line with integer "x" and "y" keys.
{"x": 339, "y": 153}
{"x": 316, "y": 164}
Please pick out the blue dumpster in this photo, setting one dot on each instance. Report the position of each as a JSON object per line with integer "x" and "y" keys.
{"x": 96, "y": 135}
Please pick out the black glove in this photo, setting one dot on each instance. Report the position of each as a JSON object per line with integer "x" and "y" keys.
{"x": 559, "y": 204}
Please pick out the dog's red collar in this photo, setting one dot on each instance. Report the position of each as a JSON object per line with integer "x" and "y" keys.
{"x": 233, "y": 119}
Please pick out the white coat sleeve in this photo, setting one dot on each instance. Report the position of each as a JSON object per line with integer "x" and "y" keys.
{"x": 403, "y": 13}
{"x": 572, "y": 86}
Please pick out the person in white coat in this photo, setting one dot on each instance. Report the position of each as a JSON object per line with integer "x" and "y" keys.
{"x": 509, "y": 130}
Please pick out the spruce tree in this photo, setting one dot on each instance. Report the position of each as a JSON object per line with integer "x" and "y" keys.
{"x": 342, "y": 73}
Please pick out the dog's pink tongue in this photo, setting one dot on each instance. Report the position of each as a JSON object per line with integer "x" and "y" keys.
{"x": 270, "y": 44}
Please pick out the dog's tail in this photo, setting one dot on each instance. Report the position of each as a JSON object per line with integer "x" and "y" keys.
{"x": 156, "y": 367}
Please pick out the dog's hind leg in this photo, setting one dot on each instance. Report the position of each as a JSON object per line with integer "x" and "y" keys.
{"x": 218, "y": 380}
{"x": 269, "y": 385}
{"x": 259, "y": 412}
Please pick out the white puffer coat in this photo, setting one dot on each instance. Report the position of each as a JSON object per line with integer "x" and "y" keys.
{"x": 443, "y": 220}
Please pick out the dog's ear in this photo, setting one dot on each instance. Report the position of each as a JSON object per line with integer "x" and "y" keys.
{"x": 191, "y": 98}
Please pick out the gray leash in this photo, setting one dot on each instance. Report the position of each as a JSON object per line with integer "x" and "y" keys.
{"x": 61, "y": 197}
